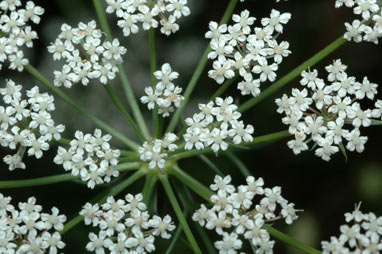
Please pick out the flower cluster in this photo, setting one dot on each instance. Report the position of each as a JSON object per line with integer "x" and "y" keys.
{"x": 363, "y": 235}
{"x": 91, "y": 157}
{"x": 156, "y": 150}
{"x": 86, "y": 56}
{"x": 16, "y": 31}
{"x": 130, "y": 13}
{"x": 247, "y": 51}
{"x": 27, "y": 229}
{"x": 235, "y": 211}
{"x": 217, "y": 123}
{"x": 26, "y": 125}
{"x": 124, "y": 226}
{"x": 369, "y": 28}
{"x": 320, "y": 112}
{"x": 164, "y": 93}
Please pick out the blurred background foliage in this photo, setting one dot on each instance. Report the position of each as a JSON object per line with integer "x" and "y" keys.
{"x": 324, "y": 190}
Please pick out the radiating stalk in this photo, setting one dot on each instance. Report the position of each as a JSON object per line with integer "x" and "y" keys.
{"x": 153, "y": 68}
{"x": 206, "y": 240}
{"x": 293, "y": 74}
{"x": 124, "y": 112}
{"x": 223, "y": 88}
{"x": 57, "y": 178}
{"x": 103, "y": 196}
{"x": 128, "y": 142}
{"x": 191, "y": 182}
{"x": 239, "y": 164}
{"x": 175, "y": 238}
{"x": 198, "y": 72}
{"x": 179, "y": 214}
{"x": 376, "y": 122}
{"x": 291, "y": 241}
{"x": 148, "y": 188}
{"x": 126, "y": 166}
{"x": 122, "y": 73}
{"x": 37, "y": 181}
{"x": 206, "y": 160}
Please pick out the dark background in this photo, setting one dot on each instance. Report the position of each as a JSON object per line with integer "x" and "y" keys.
{"x": 324, "y": 190}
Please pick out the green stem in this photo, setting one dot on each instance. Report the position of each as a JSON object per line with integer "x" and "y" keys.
{"x": 100, "y": 10}
{"x": 209, "y": 163}
{"x": 37, "y": 181}
{"x": 376, "y": 122}
{"x": 175, "y": 239}
{"x": 153, "y": 68}
{"x": 128, "y": 142}
{"x": 133, "y": 102}
{"x": 148, "y": 188}
{"x": 102, "y": 19}
{"x": 192, "y": 183}
{"x": 206, "y": 240}
{"x": 103, "y": 196}
{"x": 127, "y": 166}
{"x": 223, "y": 87}
{"x": 198, "y": 72}
{"x": 179, "y": 214}
{"x": 243, "y": 169}
{"x": 62, "y": 141}
{"x": 57, "y": 178}
{"x": 124, "y": 112}
{"x": 293, "y": 74}
{"x": 290, "y": 241}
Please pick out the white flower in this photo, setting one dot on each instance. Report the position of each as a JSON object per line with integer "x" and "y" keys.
{"x": 355, "y": 141}
{"x": 326, "y": 148}
{"x": 229, "y": 244}
{"x": 179, "y": 7}
{"x": 366, "y": 89}
{"x": 300, "y": 99}
{"x": 128, "y": 24}
{"x": 53, "y": 220}
{"x": 216, "y": 31}
{"x": 239, "y": 132}
{"x": 365, "y": 7}
{"x": 216, "y": 139}
{"x": 299, "y": 143}
{"x": 113, "y": 50}
{"x": 161, "y": 226}
{"x": 53, "y": 241}
{"x": 354, "y": 31}
{"x": 276, "y": 20}
{"x": 222, "y": 69}
{"x": 249, "y": 85}
{"x": 359, "y": 116}
{"x": 91, "y": 213}
{"x": 267, "y": 72}
{"x": 97, "y": 243}
{"x": 222, "y": 185}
